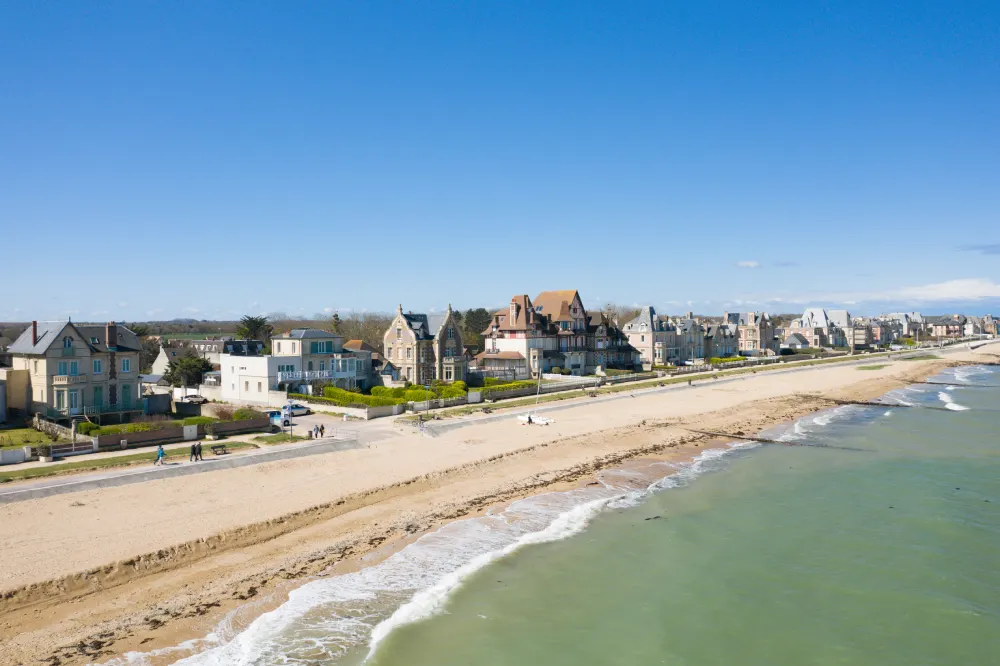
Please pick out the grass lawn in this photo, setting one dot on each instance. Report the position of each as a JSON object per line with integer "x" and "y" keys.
{"x": 85, "y": 465}
{"x": 873, "y": 367}
{"x": 920, "y": 357}
{"x": 16, "y": 437}
{"x": 279, "y": 438}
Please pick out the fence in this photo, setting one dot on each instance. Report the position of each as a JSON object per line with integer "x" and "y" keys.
{"x": 74, "y": 448}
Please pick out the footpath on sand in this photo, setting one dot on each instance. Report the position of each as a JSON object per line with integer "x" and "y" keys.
{"x": 123, "y": 476}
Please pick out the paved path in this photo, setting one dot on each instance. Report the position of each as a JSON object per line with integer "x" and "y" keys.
{"x": 120, "y": 477}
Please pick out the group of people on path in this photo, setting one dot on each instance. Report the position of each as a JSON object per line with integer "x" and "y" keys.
{"x": 318, "y": 431}
{"x": 161, "y": 455}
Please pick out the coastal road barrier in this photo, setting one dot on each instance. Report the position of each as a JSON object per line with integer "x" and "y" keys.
{"x": 65, "y": 484}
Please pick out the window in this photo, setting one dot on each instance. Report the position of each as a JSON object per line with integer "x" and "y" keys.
{"x": 60, "y": 400}
{"x": 36, "y": 367}
{"x": 279, "y": 347}
{"x": 74, "y": 368}
{"x": 388, "y": 351}
{"x": 447, "y": 374}
{"x": 642, "y": 338}
{"x": 126, "y": 365}
{"x": 451, "y": 333}
{"x": 258, "y": 387}
{"x": 409, "y": 353}
{"x": 399, "y": 334}
{"x": 322, "y": 366}
{"x": 61, "y": 368}
{"x": 310, "y": 366}
{"x": 67, "y": 342}
{"x": 97, "y": 366}
{"x": 98, "y": 396}
{"x": 246, "y": 387}
{"x": 127, "y": 395}
{"x": 94, "y": 340}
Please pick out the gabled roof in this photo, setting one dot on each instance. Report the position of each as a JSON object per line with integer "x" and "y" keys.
{"x": 525, "y": 317}
{"x": 646, "y": 316}
{"x": 93, "y": 337}
{"x": 796, "y": 338}
{"x": 48, "y": 332}
{"x": 556, "y": 304}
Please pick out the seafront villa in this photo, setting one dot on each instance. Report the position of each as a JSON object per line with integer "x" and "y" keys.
{"x": 64, "y": 371}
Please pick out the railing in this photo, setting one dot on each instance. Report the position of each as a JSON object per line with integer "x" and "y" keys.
{"x": 62, "y": 380}
{"x": 302, "y": 375}
{"x": 114, "y": 409}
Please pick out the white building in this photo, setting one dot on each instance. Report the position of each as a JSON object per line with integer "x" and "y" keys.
{"x": 299, "y": 359}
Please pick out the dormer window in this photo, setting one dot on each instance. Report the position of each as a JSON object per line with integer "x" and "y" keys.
{"x": 67, "y": 342}
{"x": 94, "y": 341}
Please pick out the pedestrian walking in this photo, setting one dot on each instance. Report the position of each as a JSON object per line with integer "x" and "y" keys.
{"x": 322, "y": 430}
{"x": 315, "y": 432}
{"x": 197, "y": 451}
{"x": 194, "y": 453}
{"x": 161, "y": 455}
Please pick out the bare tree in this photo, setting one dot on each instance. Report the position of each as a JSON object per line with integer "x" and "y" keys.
{"x": 369, "y": 327}
{"x": 619, "y": 314}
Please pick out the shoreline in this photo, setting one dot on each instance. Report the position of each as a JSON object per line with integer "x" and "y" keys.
{"x": 88, "y": 616}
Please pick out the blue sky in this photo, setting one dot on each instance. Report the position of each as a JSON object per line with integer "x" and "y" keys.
{"x": 211, "y": 159}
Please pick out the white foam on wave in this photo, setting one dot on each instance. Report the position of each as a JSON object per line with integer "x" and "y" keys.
{"x": 327, "y": 618}
{"x": 945, "y": 397}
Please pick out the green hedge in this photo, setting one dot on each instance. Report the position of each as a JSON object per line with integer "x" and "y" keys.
{"x": 144, "y": 426}
{"x": 336, "y": 396}
{"x": 729, "y": 359}
{"x": 86, "y": 428}
{"x": 198, "y": 420}
{"x": 488, "y": 391}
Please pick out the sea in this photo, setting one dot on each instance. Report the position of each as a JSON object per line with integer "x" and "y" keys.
{"x": 871, "y": 539}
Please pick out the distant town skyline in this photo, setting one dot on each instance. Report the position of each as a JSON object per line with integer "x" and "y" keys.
{"x": 213, "y": 160}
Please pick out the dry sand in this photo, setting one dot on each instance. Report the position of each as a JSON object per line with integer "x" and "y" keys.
{"x": 91, "y": 575}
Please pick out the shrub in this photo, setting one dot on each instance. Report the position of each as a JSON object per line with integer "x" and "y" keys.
{"x": 460, "y": 385}
{"x": 419, "y": 395}
{"x": 246, "y": 413}
{"x": 224, "y": 413}
{"x": 729, "y": 359}
{"x": 342, "y": 398}
{"x": 488, "y": 391}
{"x": 86, "y": 428}
{"x": 453, "y": 391}
{"x": 197, "y": 420}
{"x": 555, "y": 370}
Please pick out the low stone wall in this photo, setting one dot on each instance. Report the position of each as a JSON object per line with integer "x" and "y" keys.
{"x": 11, "y": 456}
{"x": 228, "y": 428}
{"x": 113, "y": 441}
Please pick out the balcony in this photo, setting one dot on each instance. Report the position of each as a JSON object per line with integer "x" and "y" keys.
{"x": 68, "y": 380}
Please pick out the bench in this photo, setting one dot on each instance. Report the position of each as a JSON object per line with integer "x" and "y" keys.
{"x": 219, "y": 449}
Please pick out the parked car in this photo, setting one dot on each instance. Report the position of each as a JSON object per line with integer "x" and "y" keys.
{"x": 296, "y": 409}
{"x": 278, "y": 418}
{"x": 195, "y": 399}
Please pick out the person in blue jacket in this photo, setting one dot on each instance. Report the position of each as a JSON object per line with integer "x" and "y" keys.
{"x": 160, "y": 455}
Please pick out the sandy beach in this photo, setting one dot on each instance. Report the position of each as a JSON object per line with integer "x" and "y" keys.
{"x": 91, "y": 575}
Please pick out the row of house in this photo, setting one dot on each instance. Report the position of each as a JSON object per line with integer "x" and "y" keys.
{"x": 67, "y": 370}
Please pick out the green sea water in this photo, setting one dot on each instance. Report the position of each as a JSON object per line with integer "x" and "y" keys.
{"x": 783, "y": 555}
{"x": 877, "y": 544}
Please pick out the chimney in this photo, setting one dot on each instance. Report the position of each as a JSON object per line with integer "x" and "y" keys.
{"x": 690, "y": 315}
{"x": 111, "y": 335}
{"x": 34, "y": 333}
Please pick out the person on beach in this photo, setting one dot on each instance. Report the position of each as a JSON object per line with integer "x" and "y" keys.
{"x": 194, "y": 453}
{"x": 161, "y": 455}
{"x": 197, "y": 451}
{"x": 322, "y": 430}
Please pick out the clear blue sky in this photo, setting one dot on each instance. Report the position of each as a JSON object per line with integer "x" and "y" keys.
{"x": 163, "y": 160}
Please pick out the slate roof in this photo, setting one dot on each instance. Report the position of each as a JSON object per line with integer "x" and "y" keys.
{"x": 796, "y": 338}
{"x": 306, "y": 333}
{"x": 93, "y": 336}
